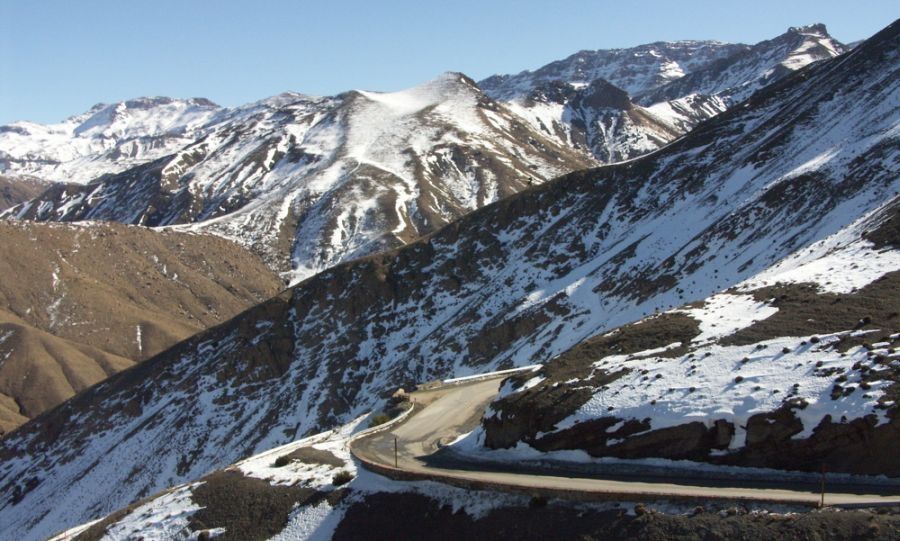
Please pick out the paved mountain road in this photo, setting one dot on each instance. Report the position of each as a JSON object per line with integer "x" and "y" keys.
{"x": 443, "y": 414}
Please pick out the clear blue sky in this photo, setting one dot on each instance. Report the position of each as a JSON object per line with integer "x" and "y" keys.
{"x": 57, "y": 58}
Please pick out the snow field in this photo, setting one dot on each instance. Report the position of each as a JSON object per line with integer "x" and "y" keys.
{"x": 734, "y": 383}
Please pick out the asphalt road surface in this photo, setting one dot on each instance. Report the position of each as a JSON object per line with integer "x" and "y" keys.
{"x": 442, "y": 415}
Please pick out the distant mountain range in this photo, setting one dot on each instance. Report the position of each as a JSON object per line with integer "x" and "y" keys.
{"x": 308, "y": 183}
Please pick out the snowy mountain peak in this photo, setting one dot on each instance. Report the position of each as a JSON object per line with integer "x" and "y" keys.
{"x": 635, "y": 70}
{"x": 442, "y": 87}
{"x": 108, "y": 138}
{"x": 146, "y": 116}
{"x": 816, "y": 29}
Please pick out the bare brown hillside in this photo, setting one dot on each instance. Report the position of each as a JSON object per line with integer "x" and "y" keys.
{"x": 81, "y": 302}
{"x": 15, "y": 190}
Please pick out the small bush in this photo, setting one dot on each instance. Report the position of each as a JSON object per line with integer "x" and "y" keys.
{"x": 836, "y": 392}
{"x": 379, "y": 419}
{"x": 640, "y": 509}
{"x": 341, "y": 478}
{"x": 785, "y": 350}
{"x": 815, "y": 339}
{"x": 282, "y": 461}
{"x": 537, "y": 501}
{"x": 739, "y": 379}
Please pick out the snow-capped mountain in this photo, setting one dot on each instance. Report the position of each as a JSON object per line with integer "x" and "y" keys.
{"x": 635, "y": 70}
{"x": 718, "y": 85}
{"x": 624, "y": 103}
{"x": 517, "y": 282}
{"x": 108, "y": 139}
{"x": 310, "y": 182}
{"x": 598, "y": 118}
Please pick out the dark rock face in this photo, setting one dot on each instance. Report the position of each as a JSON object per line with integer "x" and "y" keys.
{"x": 600, "y": 94}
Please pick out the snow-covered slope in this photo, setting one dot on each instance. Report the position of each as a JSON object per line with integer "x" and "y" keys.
{"x": 675, "y": 86}
{"x": 718, "y": 85}
{"x": 793, "y": 368}
{"x": 310, "y": 182}
{"x": 289, "y": 494}
{"x": 635, "y": 70}
{"x": 108, "y": 139}
{"x": 514, "y": 283}
{"x": 597, "y": 118}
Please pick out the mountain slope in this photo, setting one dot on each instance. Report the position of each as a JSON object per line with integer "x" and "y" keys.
{"x": 674, "y": 86}
{"x": 598, "y": 118}
{"x": 15, "y": 190}
{"x": 310, "y": 182}
{"x": 40, "y": 370}
{"x": 636, "y": 70}
{"x": 80, "y": 302}
{"x": 791, "y": 369}
{"x": 108, "y": 139}
{"x": 726, "y": 82}
{"x": 517, "y": 282}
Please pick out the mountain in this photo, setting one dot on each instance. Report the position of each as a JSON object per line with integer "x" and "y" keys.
{"x": 624, "y": 103}
{"x": 635, "y": 70}
{"x": 79, "y": 302}
{"x": 107, "y": 139}
{"x": 517, "y": 282}
{"x": 726, "y": 82}
{"x": 598, "y": 118}
{"x": 310, "y": 182}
